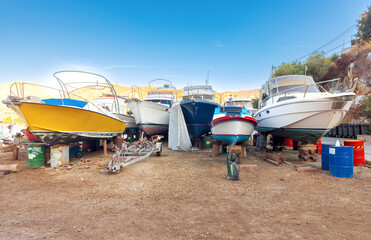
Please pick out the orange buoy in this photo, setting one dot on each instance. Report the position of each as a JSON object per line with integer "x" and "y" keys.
{"x": 358, "y": 151}
{"x": 288, "y": 142}
{"x": 319, "y": 147}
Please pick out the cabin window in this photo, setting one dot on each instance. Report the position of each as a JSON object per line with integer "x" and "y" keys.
{"x": 166, "y": 102}
{"x": 231, "y": 109}
{"x": 295, "y": 88}
{"x": 285, "y": 98}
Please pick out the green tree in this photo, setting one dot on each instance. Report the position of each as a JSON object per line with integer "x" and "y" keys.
{"x": 364, "y": 27}
{"x": 317, "y": 65}
{"x": 289, "y": 69}
{"x": 255, "y": 103}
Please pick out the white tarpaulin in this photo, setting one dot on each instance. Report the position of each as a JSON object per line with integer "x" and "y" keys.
{"x": 178, "y": 133}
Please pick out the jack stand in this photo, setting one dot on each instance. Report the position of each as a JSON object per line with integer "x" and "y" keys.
{"x": 261, "y": 142}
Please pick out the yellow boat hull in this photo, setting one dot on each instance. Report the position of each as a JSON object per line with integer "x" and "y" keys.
{"x": 61, "y": 124}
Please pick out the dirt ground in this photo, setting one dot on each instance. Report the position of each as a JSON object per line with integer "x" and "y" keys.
{"x": 184, "y": 196}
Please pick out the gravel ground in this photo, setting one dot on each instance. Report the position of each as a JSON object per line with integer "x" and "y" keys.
{"x": 184, "y": 196}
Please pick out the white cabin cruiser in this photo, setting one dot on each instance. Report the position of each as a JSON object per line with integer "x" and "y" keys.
{"x": 294, "y": 107}
{"x": 153, "y": 112}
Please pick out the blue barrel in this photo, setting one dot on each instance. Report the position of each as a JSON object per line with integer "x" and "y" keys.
{"x": 341, "y": 161}
{"x": 325, "y": 156}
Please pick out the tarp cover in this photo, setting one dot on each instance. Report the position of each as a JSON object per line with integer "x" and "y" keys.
{"x": 178, "y": 133}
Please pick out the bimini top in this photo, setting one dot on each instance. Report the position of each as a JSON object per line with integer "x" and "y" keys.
{"x": 289, "y": 83}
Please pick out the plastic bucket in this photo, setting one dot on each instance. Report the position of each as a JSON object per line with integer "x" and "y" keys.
{"x": 325, "y": 156}
{"x": 35, "y": 155}
{"x": 288, "y": 142}
{"x": 358, "y": 151}
{"x": 341, "y": 161}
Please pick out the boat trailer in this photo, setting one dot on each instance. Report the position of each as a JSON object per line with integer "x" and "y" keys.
{"x": 130, "y": 153}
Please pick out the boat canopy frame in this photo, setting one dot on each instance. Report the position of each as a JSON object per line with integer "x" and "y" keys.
{"x": 17, "y": 88}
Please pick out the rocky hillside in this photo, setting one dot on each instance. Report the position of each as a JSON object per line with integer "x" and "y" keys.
{"x": 354, "y": 70}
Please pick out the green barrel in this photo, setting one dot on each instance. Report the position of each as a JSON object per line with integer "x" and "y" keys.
{"x": 35, "y": 155}
{"x": 206, "y": 142}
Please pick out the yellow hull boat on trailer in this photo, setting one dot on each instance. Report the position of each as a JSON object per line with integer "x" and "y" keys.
{"x": 65, "y": 120}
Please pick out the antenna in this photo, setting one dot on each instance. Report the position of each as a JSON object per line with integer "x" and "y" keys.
{"x": 207, "y": 79}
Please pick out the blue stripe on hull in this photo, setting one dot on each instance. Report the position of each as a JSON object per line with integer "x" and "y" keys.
{"x": 198, "y": 115}
{"x": 230, "y": 139}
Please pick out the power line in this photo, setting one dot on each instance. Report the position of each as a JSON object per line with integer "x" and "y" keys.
{"x": 331, "y": 41}
{"x": 337, "y": 47}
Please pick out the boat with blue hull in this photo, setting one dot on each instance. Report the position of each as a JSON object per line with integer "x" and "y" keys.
{"x": 232, "y": 125}
{"x": 198, "y": 107}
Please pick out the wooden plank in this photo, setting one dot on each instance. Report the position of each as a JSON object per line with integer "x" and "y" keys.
{"x": 271, "y": 161}
{"x": 105, "y": 147}
{"x": 10, "y": 167}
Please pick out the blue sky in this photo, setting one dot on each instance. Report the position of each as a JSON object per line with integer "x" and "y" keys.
{"x": 133, "y": 42}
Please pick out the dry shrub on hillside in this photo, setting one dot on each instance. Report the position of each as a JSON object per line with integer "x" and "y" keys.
{"x": 359, "y": 56}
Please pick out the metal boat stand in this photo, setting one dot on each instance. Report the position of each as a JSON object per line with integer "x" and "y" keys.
{"x": 261, "y": 142}
{"x": 130, "y": 153}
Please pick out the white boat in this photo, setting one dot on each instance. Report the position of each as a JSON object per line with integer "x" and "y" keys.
{"x": 118, "y": 107}
{"x": 232, "y": 125}
{"x": 153, "y": 112}
{"x": 241, "y": 102}
{"x": 295, "y": 107}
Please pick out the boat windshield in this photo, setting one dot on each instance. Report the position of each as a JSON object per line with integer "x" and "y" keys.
{"x": 202, "y": 92}
{"x": 239, "y": 103}
{"x": 288, "y": 84}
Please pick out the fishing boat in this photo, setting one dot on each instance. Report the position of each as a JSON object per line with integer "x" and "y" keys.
{"x": 153, "y": 112}
{"x": 232, "y": 125}
{"x": 108, "y": 102}
{"x": 198, "y": 107}
{"x": 241, "y": 102}
{"x": 295, "y": 107}
{"x": 67, "y": 117}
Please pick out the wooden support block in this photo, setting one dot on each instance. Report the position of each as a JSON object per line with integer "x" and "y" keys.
{"x": 105, "y": 147}
{"x": 248, "y": 168}
{"x": 215, "y": 150}
{"x": 15, "y": 152}
{"x": 236, "y": 149}
{"x": 10, "y": 167}
{"x": 274, "y": 157}
{"x": 244, "y": 151}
